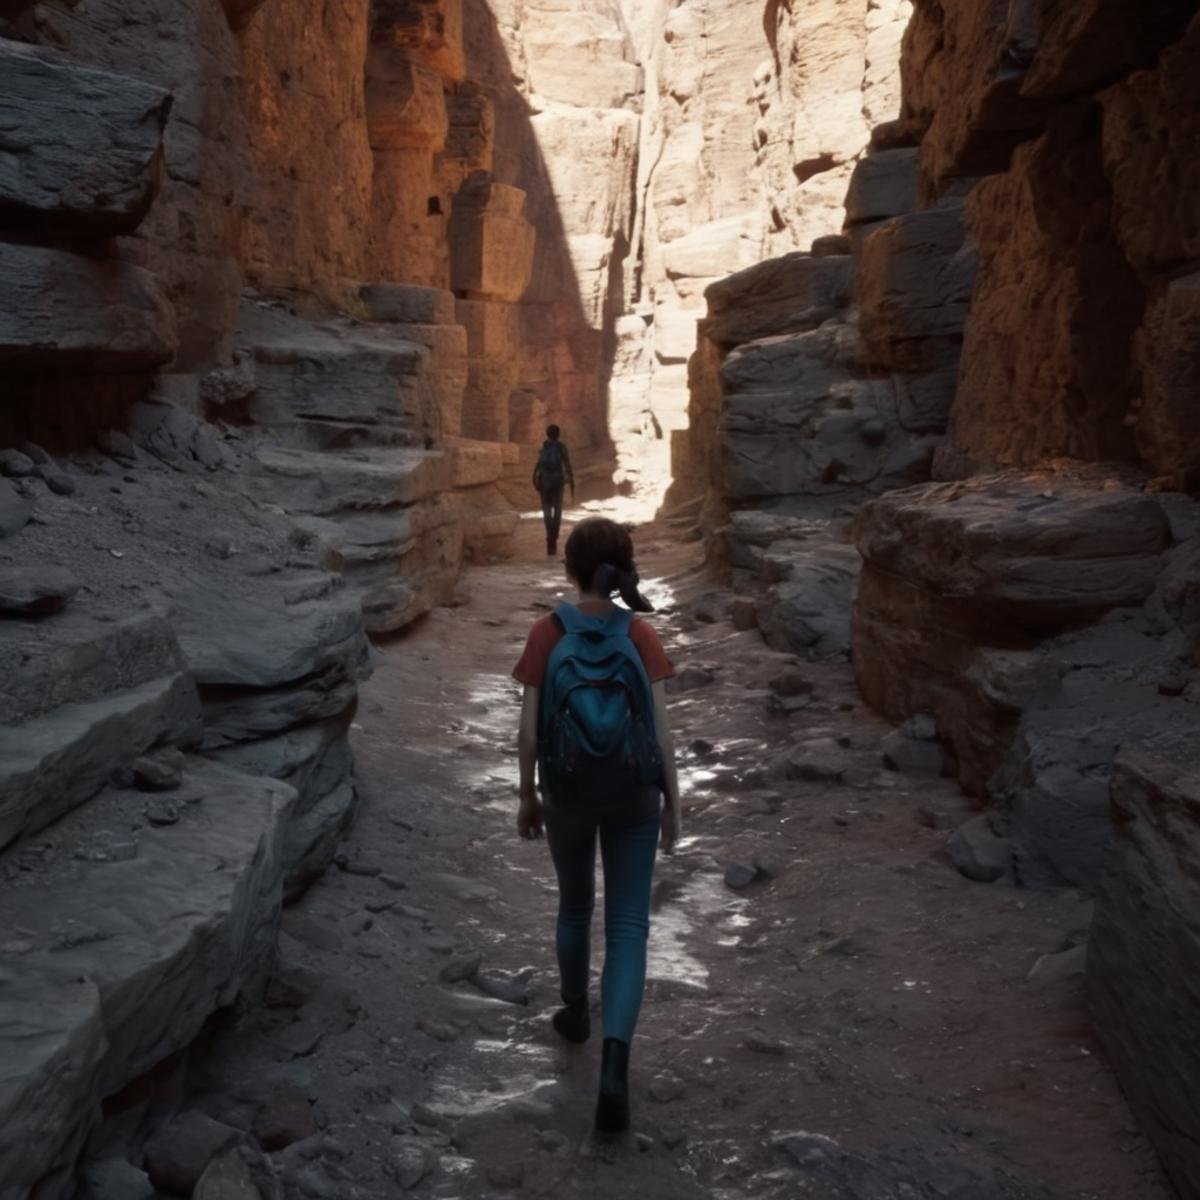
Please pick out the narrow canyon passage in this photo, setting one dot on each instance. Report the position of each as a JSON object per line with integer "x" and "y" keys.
{"x": 855, "y": 1023}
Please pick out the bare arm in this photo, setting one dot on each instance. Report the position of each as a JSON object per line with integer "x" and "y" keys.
{"x": 570, "y": 475}
{"x": 672, "y": 816}
{"x": 529, "y": 812}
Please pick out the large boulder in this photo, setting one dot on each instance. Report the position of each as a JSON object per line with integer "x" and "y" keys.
{"x": 82, "y": 147}
{"x": 1143, "y": 966}
{"x": 963, "y": 582}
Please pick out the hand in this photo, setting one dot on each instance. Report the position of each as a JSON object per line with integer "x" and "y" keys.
{"x": 530, "y": 816}
{"x": 672, "y": 828}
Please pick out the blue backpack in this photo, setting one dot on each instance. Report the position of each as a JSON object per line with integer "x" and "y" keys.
{"x": 596, "y": 736}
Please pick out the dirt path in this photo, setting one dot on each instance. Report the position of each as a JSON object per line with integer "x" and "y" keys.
{"x": 855, "y": 1026}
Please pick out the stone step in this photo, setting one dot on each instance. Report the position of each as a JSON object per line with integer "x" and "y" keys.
{"x": 107, "y": 968}
{"x": 55, "y": 762}
{"x": 61, "y": 311}
{"x": 305, "y": 481}
{"x": 338, "y": 383}
{"x": 80, "y": 658}
{"x": 88, "y": 143}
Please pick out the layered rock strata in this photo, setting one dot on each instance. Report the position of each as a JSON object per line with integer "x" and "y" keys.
{"x": 1038, "y": 609}
{"x": 755, "y": 117}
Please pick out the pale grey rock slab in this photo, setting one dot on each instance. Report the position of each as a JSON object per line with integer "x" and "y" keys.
{"x": 82, "y": 147}
{"x": 173, "y": 935}
{"x": 80, "y": 658}
{"x": 61, "y": 311}
{"x": 55, "y": 762}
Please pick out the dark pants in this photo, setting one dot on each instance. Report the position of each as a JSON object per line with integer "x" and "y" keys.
{"x": 552, "y": 505}
{"x": 628, "y": 844}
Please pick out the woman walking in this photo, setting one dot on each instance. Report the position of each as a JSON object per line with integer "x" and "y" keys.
{"x": 593, "y": 722}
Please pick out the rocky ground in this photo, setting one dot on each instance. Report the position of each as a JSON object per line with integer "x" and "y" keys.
{"x": 832, "y": 1010}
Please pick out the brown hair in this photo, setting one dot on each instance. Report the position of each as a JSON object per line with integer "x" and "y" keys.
{"x": 599, "y": 556}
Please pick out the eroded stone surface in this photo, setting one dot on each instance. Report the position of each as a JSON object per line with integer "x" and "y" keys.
{"x": 83, "y": 148}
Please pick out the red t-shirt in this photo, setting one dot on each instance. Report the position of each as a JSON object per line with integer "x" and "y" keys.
{"x": 545, "y": 635}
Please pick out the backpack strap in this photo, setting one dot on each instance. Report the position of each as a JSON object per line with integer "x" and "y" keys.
{"x": 616, "y": 624}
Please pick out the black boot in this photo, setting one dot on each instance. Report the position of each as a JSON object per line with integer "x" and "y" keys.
{"x": 612, "y": 1109}
{"x": 551, "y": 547}
{"x": 573, "y": 1021}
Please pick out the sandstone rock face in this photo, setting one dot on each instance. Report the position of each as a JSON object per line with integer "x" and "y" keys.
{"x": 994, "y": 565}
{"x": 754, "y": 120}
{"x": 1144, "y": 953}
{"x": 83, "y": 147}
{"x": 1068, "y": 114}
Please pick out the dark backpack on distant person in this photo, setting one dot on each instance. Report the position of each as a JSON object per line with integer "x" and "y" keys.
{"x": 596, "y": 737}
{"x": 549, "y": 475}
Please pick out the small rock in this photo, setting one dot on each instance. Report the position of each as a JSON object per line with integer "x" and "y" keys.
{"x": 709, "y": 608}
{"x": 115, "y": 1179}
{"x": 816, "y": 763}
{"x": 506, "y": 1175}
{"x": 35, "y": 591}
{"x": 410, "y": 1162}
{"x": 690, "y": 678}
{"x": 511, "y": 991}
{"x": 759, "y": 1043}
{"x": 315, "y": 1184}
{"x": 744, "y": 613}
{"x": 977, "y": 852}
{"x": 1174, "y": 685}
{"x": 464, "y": 966}
{"x": 701, "y": 747}
{"x": 739, "y": 876}
{"x": 672, "y": 1136}
{"x": 219, "y": 545}
{"x": 15, "y": 511}
{"x": 786, "y": 705}
{"x": 830, "y": 245}
{"x": 935, "y": 818}
{"x": 666, "y": 1087}
{"x": 873, "y": 431}
{"x": 923, "y": 759}
{"x": 392, "y": 881}
{"x": 921, "y": 728}
{"x": 791, "y": 683}
{"x": 1058, "y": 968}
{"x": 179, "y": 1153}
{"x": 36, "y": 453}
{"x": 109, "y": 847}
{"x": 644, "y": 1142}
{"x": 227, "y": 1177}
{"x": 356, "y": 867}
{"x": 439, "y": 1030}
{"x": 16, "y": 465}
{"x": 161, "y": 812}
{"x": 60, "y": 483}
{"x": 156, "y": 773}
{"x": 552, "y": 1140}
{"x": 285, "y": 1117}
{"x": 117, "y": 444}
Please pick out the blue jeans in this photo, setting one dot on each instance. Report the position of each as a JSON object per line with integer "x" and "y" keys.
{"x": 628, "y": 844}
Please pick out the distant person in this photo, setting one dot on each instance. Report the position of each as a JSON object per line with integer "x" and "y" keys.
{"x": 594, "y": 723}
{"x": 552, "y": 473}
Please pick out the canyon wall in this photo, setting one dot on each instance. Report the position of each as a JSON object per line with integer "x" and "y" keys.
{"x": 756, "y": 116}
{"x": 1006, "y": 317}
